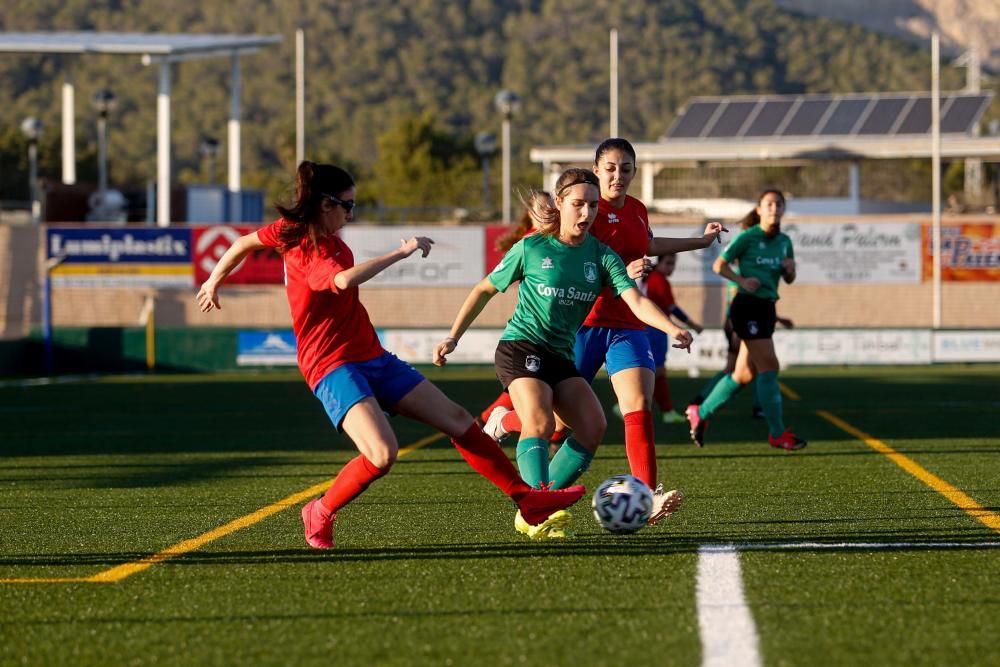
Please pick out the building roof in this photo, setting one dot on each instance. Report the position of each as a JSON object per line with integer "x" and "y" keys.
{"x": 152, "y": 44}
{"x": 803, "y": 128}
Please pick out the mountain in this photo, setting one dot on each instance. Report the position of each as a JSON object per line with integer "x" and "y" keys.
{"x": 372, "y": 65}
{"x": 960, "y": 22}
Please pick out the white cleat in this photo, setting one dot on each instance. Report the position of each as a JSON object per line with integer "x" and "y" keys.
{"x": 665, "y": 503}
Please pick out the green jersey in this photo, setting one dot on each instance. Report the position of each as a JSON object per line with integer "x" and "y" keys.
{"x": 760, "y": 257}
{"x": 559, "y": 284}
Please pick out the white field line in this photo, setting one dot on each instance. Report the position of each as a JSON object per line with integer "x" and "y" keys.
{"x": 728, "y": 633}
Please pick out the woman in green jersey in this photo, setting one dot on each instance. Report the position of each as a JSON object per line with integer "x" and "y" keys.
{"x": 765, "y": 257}
{"x": 561, "y": 269}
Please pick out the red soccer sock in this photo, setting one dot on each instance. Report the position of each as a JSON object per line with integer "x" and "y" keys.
{"x": 351, "y": 482}
{"x": 485, "y": 456}
{"x": 661, "y": 394}
{"x": 639, "y": 446}
{"x": 511, "y": 423}
{"x": 503, "y": 400}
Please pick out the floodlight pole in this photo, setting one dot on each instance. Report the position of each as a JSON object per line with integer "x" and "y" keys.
{"x": 68, "y": 134}
{"x": 507, "y": 102}
{"x": 235, "y": 198}
{"x": 936, "y": 176}
{"x": 163, "y": 146}
{"x": 300, "y": 96}
{"x": 613, "y": 112}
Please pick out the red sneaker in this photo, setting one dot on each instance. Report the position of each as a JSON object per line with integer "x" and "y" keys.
{"x": 318, "y": 523}
{"x": 537, "y": 505}
{"x": 786, "y": 440}
{"x": 698, "y": 425}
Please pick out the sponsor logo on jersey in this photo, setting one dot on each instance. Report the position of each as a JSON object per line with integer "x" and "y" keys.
{"x": 566, "y": 295}
{"x": 547, "y": 263}
{"x": 590, "y": 272}
{"x": 612, "y": 218}
{"x": 532, "y": 363}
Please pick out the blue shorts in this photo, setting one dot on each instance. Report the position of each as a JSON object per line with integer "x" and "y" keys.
{"x": 385, "y": 377}
{"x": 618, "y": 349}
{"x": 659, "y": 345}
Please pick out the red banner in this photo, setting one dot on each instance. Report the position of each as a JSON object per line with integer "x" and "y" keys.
{"x": 210, "y": 242}
{"x": 969, "y": 252}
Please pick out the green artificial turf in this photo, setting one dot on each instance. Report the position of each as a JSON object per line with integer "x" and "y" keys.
{"x": 428, "y": 569}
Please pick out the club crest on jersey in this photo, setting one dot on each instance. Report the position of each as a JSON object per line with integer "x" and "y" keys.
{"x": 761, "y": 245}
{"x": 590, "y": 272}
{"x": 532, "y": 363}
{"x": 547, "y": 263}
{"x": 612, "y": 218}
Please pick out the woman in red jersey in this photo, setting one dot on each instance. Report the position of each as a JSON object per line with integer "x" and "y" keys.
{"x": 611, "y": 335}
{"x": 343, "y": 362}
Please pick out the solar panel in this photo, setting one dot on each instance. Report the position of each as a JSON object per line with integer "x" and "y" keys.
{"x": 845, "y": 116}
{"x": 918, "y": 119}
{"x": 789, "y": 116}
{"x": 731, "y": 119}
{"x": 962, "y": 113}
{"x": 882, "y": 117}
{"x": 768, "y": 118}
{"x": 805, "y": 119}
{"x": 692, "y": 121}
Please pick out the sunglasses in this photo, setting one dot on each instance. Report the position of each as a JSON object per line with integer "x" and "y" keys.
{"x": 348, "y": 204}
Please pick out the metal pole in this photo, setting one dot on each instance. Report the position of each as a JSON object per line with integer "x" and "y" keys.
{"x": 300, "y": 96}
{"x": 163, "y": 146}
{"x": 506, "y": 168}
{"x": 102, "y": 156}
{"x": 614, "y": 83}
{"x": 36, "y": 205}
{"x": 68, "y": 135}
{"x": 486, "y": 183}
{"x": 936, "y": 175}
{"x": 235, "y": 202}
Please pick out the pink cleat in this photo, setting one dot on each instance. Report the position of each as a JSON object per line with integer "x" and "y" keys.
{"x": 318, "y": 523}
{"x": 698, "y": 425}
{"x": 537, "y": 505}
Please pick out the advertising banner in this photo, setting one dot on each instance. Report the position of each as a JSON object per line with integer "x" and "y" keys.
{"x": 966, "y": 346}
{"x": 261, "y": 267}
{"x": 120, "y": 256}
{"x": 969, "y": 252}
{"x": 265, "y": 348}
{"x": 833, "y": 253}
{"x": 694, "y": 267}
{"x": 455, "y": 260}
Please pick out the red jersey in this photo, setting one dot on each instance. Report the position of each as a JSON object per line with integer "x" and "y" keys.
{"x": 331, "y": 326}
{"x": 626, "y": 231}
{"x": 659, "y": 291}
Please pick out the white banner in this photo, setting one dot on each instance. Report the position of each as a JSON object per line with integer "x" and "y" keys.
{"x": 963, "y": 346}
{"x": 829, "y": 253}
{"x": 456, "y": 258}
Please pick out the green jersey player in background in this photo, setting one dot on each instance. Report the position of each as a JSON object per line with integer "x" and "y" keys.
{"x": 765, "y": 257}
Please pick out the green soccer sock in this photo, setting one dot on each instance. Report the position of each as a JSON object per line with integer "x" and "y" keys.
{"x": 533, "y": 461}
{"x": 571, "y": 461}
{"x": 724, "y": 390}
{"x": 769, "y": 394}
{"x": 710, "y": 385}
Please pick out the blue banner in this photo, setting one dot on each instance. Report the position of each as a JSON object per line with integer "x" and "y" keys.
{"x": 131, "y": 245}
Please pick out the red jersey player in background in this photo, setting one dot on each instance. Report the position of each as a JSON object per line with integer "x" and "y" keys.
{"x": 657, "y": 288}
{"x": 339, "y": 353}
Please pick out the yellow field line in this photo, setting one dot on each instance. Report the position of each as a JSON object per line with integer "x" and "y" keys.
{"x": 788, "y": 391}
{"x": 124, "y": 570}
{"x": 955, "y": 495}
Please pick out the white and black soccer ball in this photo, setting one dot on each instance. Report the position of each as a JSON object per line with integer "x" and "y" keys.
{"x": 622, "y": 504}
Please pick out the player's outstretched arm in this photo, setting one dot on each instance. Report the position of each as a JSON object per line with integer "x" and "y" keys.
{"x": 208, "y": 295}
{"x": 649, "y": 313}
{"x": 362, "y": 273}
{"x": 467, "y": 314}
{"x": 662, "y": 245}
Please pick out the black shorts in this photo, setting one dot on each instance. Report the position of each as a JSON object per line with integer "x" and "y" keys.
{"x": 521, "y": 359}
{"x": 752, "y": 318}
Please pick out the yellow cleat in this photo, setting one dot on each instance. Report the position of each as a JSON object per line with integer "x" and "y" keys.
{"x": 554, "y": 527}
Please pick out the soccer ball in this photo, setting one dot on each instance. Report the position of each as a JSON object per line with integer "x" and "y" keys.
{"x": 622, "y": 504}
